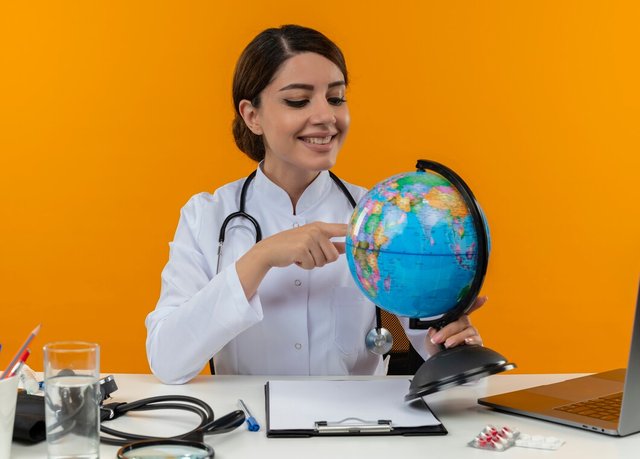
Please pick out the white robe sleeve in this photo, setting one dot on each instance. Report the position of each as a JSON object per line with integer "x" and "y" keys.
{"x": 198, "y": 312}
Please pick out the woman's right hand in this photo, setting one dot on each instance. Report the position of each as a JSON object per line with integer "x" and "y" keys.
{"x": 308, "y": 246}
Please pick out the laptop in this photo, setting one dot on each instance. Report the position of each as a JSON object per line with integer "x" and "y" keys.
{"x": 607, "y": 403}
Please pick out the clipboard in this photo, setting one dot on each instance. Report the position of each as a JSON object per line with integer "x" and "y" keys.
{"x": 307, "y": 408}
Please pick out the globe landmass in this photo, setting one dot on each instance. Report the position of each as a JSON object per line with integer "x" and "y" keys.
{"x": 412, "y": 245}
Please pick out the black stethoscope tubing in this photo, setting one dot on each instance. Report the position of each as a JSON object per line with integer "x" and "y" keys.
{"x": 208, "y": 424}
{"x": 242, "y": 213}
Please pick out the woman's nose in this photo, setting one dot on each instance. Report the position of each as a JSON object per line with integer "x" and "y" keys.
{"x": 323, "y": 113}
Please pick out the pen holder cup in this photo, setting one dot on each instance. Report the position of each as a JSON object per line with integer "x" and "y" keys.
{"x": 8, "y": 397}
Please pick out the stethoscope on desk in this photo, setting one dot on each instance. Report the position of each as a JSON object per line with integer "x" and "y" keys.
{"x": 378, "y": 340}
{"x": 77, "y": 403}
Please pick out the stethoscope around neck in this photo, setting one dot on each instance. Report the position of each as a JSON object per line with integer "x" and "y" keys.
{"x": 378, "y": 340}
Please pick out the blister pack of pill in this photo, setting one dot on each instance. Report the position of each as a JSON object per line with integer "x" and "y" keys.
{"x": 502, "y": 438}
{"x": 495, "y": 438}
{"x": 539, "y": 442}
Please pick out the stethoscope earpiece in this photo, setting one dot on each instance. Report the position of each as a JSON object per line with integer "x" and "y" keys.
{"x": 379, "y": 341}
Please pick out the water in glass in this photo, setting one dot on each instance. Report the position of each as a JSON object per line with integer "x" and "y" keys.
{"x": 73, "y": 417}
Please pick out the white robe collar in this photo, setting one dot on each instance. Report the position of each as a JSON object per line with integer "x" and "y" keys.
{"x": 268, "y": 191}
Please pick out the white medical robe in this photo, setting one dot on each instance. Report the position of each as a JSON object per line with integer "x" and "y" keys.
{"x": 300, "y": 322}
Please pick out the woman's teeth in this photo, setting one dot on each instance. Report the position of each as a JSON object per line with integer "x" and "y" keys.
{"x": 318, "y": 140}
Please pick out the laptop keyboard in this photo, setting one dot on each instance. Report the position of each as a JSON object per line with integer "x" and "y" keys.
{"x": 606, "y": 408}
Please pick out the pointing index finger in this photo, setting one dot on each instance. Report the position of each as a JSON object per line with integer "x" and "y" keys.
{"x": 334, "y": 229}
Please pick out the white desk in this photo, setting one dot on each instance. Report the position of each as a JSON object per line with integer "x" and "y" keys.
{"x": 457, "y": 409}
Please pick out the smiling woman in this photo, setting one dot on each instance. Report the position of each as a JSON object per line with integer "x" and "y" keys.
{"x": 260, "y": 62}
{"x": 286, "y": 304}
{"x": 302, "y": 125}
{"x": 112, "y": 114}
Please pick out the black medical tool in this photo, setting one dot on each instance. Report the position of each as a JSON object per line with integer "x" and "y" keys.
{"x": 378, "y": 340}
{"x": 188, "y": 445}
{"x": 208, "y": 424}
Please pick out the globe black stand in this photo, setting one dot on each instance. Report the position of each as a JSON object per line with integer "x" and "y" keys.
{"x": 465, "y": 363}
{"x": 455, "y": 366}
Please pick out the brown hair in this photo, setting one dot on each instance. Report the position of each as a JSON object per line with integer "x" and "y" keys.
{"x": 258, "y": 64}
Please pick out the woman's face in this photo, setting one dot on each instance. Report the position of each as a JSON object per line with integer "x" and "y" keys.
{"x": 303, "y": 117}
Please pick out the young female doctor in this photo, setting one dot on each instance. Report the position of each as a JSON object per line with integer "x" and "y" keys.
{"x": 286, "y": 305}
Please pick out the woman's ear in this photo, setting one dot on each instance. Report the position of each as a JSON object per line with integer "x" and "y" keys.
{"x": 249, "y": 114}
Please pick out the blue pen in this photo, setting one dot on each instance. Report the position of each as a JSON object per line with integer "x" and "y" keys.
{"x": 252, "y": 424}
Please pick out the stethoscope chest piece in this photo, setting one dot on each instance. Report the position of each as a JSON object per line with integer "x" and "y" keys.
{"x": 379, "y": 341}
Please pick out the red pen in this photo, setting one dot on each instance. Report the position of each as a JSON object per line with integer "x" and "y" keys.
{"x": 18, "y": 366}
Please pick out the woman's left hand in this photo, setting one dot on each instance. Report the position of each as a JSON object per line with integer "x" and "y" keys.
{"x": 458, "y": 332}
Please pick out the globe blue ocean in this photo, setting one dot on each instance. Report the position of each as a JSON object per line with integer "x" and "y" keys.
{"x": 412, "y": 245}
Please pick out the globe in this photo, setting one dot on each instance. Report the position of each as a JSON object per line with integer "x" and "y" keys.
{"x": 417, "y": 243}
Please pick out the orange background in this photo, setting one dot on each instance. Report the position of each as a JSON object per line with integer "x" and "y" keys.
{"x": 113, "y": 113}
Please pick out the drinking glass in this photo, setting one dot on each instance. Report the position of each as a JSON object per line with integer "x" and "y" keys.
{"x": 72, "y": 399}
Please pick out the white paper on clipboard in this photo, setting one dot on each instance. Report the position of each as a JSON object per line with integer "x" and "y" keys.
{"x": 300, "y": 404}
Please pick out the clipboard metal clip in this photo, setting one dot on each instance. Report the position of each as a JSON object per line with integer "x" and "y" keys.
{"x": 353, "y": 425}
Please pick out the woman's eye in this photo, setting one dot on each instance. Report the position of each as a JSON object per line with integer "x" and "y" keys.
{"x": 337, "y": 100}
{"x": 296, "y": 103}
